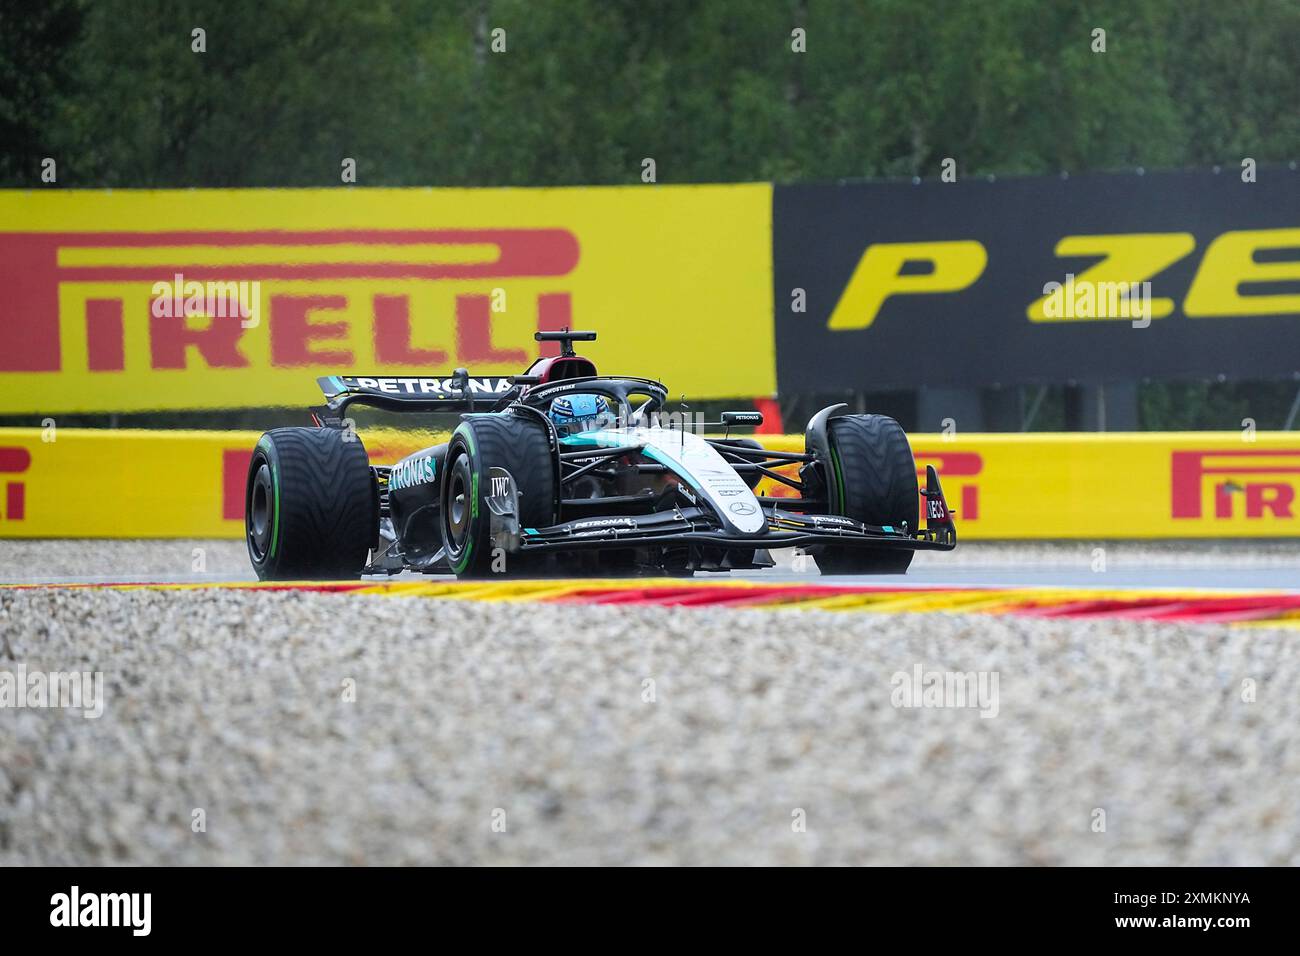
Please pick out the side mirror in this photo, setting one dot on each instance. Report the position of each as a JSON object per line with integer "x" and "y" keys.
{"x": 742, "y": 419}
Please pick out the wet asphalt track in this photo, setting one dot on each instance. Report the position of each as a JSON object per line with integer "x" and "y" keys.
{"x": 1271, "y": 566}
{"x": 1218, "y": 577}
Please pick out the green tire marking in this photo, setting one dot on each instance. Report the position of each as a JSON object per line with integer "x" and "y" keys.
{"x": 839, "y": 474}
{"x": 463, "y": 561}
{"x": 275, "y": 501}
{"x": 266, "y": 445}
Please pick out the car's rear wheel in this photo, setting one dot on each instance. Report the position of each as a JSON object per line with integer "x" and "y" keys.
{"x": 873, "y": 479}
{"x": 310, "y": 505}
{"x": 520, "y": 445}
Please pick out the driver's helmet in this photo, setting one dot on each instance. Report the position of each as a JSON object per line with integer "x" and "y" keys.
{"x": 573, "y": 414}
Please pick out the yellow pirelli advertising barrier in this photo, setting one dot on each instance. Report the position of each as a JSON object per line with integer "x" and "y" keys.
{"x": 1135, "y": 485}
{"x": 159, "y": 300}
{"x": 101, "y": 483}
{"x": 57, "y": 483}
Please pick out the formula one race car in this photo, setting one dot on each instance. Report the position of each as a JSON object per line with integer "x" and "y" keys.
{"x": 560, "y": 470}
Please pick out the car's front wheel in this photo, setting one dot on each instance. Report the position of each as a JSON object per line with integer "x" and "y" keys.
{"x": 873, "y": 480}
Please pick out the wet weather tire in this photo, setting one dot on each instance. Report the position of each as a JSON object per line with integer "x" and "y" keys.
{"x": 310, "y": 505}
{"x": 875, "y": 482}
{"x": 521, "y": 445}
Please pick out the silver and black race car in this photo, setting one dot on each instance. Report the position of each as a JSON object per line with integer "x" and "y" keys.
{"x": 563, "y": 471}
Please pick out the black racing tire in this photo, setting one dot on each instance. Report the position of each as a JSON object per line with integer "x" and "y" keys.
{"x": 875, "y": 483}
{"x": 311, "y": 509}
{"x": 521, "y": 445}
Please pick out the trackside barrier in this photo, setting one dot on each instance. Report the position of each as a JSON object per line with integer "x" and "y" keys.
{"x": 139, "y": 300}
{"x": 90, "y": 483}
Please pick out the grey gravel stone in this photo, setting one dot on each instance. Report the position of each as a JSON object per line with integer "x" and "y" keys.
{"x": 536, "y": 716}
{"x": 89, "y": 559}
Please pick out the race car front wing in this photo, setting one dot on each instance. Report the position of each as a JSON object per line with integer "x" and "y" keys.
{"x": 678, "y": 522}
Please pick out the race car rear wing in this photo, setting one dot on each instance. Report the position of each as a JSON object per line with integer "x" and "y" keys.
{"x": 409, "y": 393}
{"x": 458, "y": 392}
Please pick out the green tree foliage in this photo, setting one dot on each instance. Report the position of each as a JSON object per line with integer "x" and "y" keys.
{"x": 586, "y": 89}
{"x": 36, "y": 45}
